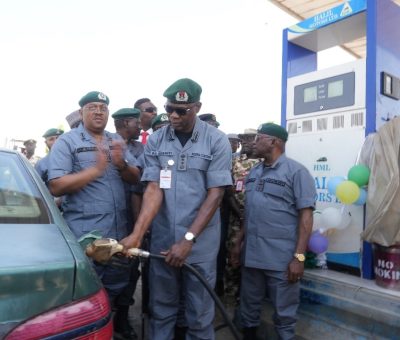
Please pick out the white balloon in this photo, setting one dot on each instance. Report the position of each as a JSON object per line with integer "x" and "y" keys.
{"x": 317, "y": 220}
{"x": 331, "y": 218}
{"x": 346, "y": 218}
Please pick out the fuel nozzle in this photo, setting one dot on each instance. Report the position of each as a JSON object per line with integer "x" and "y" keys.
{"x": 138, "y": 252}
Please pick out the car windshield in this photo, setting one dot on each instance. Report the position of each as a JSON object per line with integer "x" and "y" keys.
{"x": 20, "y": 199}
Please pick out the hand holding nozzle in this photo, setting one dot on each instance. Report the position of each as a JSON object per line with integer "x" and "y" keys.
{"x": 138, "y": 252}
{"x": 103, "y": 249}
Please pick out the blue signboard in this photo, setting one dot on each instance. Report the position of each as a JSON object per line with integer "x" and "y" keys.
{"x": 330, "y": 16}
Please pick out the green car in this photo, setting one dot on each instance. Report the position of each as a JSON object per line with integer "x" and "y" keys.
{"x": 48, "y": 288}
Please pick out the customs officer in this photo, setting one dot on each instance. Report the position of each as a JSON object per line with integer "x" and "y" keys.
{"x": 187, "y": 166}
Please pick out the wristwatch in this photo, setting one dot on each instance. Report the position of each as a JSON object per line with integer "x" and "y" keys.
{"x": 190, "y": 237}
{"x": 299, "y": 257}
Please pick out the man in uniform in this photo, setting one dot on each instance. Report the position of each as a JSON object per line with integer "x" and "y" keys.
{"x": 209, "y": 118}
{"x": 235, "y": 144}
{"x": 159, "y": 121}
{"x": 240, "y": 169}
{"x": 127, "y": 125}
{"x": 89, "y": 166}
{"x": 147, "y": 112}
{"x": 30, "y": 146}
{"x": 42, "y": 166}
{"x": 187, "y": 167}
{"x": 280, "y": 198}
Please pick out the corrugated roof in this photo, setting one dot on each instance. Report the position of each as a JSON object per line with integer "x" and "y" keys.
{"x": 304, "y": 9}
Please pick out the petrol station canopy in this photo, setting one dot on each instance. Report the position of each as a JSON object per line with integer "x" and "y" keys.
{"x": 304, "y": 9}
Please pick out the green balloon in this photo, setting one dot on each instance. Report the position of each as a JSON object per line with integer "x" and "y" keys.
{"x": 359, "y": 174}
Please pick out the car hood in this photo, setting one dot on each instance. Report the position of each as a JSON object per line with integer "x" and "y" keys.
{"x": 37, "y": 270}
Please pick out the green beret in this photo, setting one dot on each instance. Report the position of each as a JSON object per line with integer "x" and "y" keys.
{"x": 126, "y": 113}
{"x": 53, "y": 132}
{"x": 29, "y": 141}
{"x": 207, "y": 117}
{"x": 159, "y": 119}
{"x": 273, "y": 130}
{"x": 183, "y": 91}
{"x": 92, "y": 97}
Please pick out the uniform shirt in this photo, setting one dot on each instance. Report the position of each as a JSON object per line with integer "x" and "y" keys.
{"x": 33, "y": 160}
{"x": 273, "y": 197}
{"x": 204, "y": 162}
{"x": 101, "y": 204}
{"x": 135, "y": 148}
{"x": 42, "y": 167}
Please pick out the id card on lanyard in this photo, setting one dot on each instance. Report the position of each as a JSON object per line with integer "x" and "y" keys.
{"x": 166, "y": 175}
{"x": 165, "y": 178}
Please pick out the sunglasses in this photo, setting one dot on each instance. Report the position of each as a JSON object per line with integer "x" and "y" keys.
{"x": 150, "y": 110}
{"x": 179, "y": 111}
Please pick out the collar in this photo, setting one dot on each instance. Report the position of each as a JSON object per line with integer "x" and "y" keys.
{"x": 281, "y": 159}
{"x": 85, "y": 135}
{"x": 199, "y": 124}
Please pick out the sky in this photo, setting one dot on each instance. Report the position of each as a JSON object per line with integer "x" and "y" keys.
{"x": 55, "y": 51}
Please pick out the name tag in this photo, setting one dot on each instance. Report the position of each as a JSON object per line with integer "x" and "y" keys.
{"x": 165, "y": 179}
{"x": 239, "y": 185}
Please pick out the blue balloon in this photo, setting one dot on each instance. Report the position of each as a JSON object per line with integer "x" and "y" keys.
{"x": 318, "y": 243}
{"x": 333, "y": 183}
{"x": 363, "y": 197}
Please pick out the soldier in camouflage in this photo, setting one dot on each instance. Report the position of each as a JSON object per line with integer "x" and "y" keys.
{"x": 240, "y": 168}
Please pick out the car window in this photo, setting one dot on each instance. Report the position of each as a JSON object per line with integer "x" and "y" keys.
{"x": 20, "y": 199}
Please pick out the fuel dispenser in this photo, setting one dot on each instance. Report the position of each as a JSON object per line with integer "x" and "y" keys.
{"x": 329, "y": 112}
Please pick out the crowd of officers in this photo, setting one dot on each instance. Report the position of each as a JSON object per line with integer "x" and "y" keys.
{"x": 177, "y": 185}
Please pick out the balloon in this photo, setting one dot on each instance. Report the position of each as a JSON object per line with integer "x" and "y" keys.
{"x": 345, "y": 218}
{"x": 347, "y": 192}
{"x": 333, "y": 183}
{"x": 317, "y": 220}
{"x": 359, "y": 174}
{"x": 363, "y": 197}
{"x": 318, "y": 243}
{"x": 331, "y": 217}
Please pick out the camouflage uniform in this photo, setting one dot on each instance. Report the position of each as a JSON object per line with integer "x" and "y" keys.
{"x": 240, "y": 168}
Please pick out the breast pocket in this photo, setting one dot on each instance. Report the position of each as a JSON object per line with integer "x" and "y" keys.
{"x": 250, "y": 184}
{"x": 86, "y": 157}
{"x": 199, "y": 162}
{"x": 274, "y": 190}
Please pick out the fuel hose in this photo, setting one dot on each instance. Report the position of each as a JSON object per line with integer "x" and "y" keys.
{"x": 145, "y": 254}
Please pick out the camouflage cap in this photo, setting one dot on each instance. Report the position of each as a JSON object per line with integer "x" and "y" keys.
{"x": 233, "y": 136}
{"x": 248, "y": 132}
